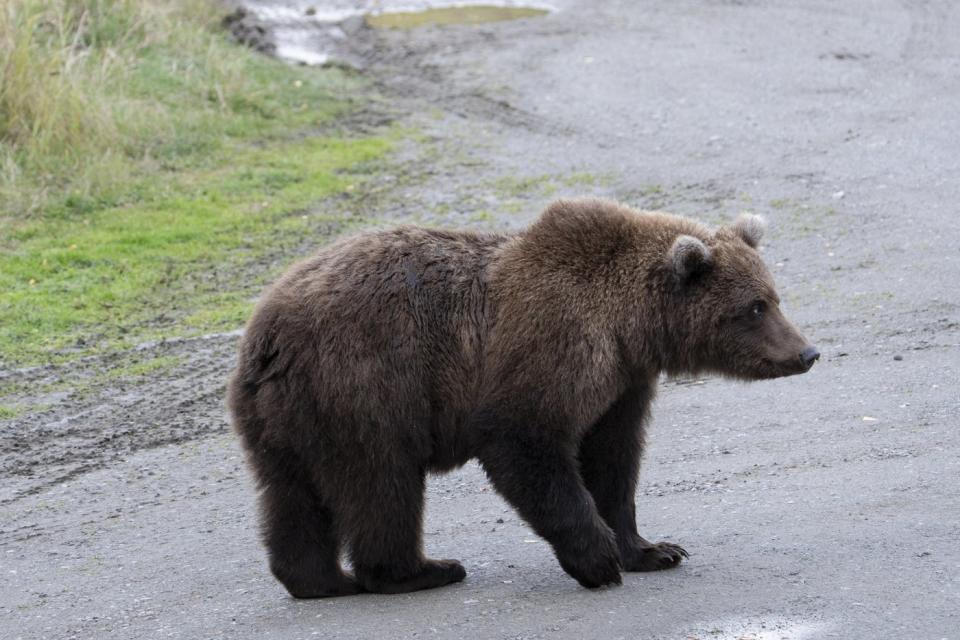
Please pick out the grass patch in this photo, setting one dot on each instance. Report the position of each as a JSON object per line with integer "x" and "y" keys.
{"x": 95, "y": 94}
{"x": 802, "y": 218}
{"x": 8, "y": 413}
{"x": 544, "y": 185}
{"x": 170, "y": 263}
{"x": 478, "y": 14}
{"x": 517, "y": 187}
{"x": 149, "y": 169}
{"x": 159, "y": 364}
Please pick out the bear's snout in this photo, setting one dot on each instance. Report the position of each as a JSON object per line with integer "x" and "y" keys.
{"x": 808, "y": 356}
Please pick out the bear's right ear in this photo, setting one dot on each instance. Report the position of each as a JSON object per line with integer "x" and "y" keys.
{"x": 750, "y": 227}
{"x": 688, "y": 257}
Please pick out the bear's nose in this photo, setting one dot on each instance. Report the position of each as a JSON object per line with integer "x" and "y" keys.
{"x": 809, "y": 355}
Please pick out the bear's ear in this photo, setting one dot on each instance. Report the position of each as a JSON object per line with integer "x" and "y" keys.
{"x": 688, "y": 257}
{"x": 749, "y": 228}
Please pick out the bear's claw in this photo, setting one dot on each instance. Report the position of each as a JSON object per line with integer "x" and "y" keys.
{"x": 653, "y": 557}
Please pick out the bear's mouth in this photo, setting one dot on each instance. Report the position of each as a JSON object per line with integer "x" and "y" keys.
{"x": 768, "y": 369}
{"x": 783, "y": 369}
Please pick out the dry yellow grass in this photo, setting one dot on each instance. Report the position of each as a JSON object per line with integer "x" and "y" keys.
{"x": 73, "y": 109}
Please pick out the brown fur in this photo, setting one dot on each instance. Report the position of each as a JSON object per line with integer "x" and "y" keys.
{"x": 394, "y": 353}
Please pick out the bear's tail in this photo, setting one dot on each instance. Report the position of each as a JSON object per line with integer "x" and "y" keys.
{"x": 259, "y": 361}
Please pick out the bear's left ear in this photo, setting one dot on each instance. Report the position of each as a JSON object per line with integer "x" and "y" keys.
{"x": 749, "y": 228}
{"x": 688, "y": 256}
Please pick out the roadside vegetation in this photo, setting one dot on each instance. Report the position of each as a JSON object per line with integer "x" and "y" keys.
{"x": 150, "y": 169}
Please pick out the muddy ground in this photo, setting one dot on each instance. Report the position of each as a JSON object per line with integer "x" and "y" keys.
{"x": 823, "y": 506}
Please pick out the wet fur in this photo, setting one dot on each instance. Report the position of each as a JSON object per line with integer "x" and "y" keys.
{"x": 397, "y": 353}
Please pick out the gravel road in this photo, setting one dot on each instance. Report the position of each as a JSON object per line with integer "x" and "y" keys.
{"x": 821, "y": 506}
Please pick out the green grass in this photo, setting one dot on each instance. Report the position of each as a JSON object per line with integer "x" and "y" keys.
{"x": 171, "y": 261}
{"x": 515, "y": 187}
{"x": 151, "y": 171}
{"x": 478, "y": 14}
{"x": 8, "y": 413}
{"x": 142, "y": 368}
{"x": 95, "y": 94}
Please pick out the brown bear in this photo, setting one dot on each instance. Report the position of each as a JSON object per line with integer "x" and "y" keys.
{"x": 392, "y": 354}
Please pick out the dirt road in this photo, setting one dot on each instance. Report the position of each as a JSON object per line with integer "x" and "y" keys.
{"x": 823, "y": 506}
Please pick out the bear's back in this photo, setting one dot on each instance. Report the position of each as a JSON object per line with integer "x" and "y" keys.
{"x": 396, "y": 316}
{"x": 388, "y": 287}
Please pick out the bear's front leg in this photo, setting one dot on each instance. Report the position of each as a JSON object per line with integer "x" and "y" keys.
{"x": 538, "y": 475}
{"x": 609, "y": 463}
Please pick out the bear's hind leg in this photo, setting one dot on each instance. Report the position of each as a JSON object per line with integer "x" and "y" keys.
{"x": 382, "y": 518}
{"x": 300, "y": 532}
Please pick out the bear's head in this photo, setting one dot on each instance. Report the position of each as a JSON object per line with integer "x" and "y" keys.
{"x": 726, "y": 313}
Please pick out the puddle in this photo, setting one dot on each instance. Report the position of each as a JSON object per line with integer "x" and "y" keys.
{"x": 467, "y": 14}
{"x": 292, "y": 46}
{"x": 313, "y": 32}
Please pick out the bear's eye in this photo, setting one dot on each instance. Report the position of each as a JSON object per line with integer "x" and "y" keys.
{"x": 757, "y": 309}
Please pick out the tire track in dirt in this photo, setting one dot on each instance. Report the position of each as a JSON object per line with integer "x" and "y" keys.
{"x": 111, "y": 417}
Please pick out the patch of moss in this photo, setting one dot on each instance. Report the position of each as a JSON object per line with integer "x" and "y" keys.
{"x": 472, "y": 14}
{"x": 8, "y": 412}
{"x": 156, "y": 365}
